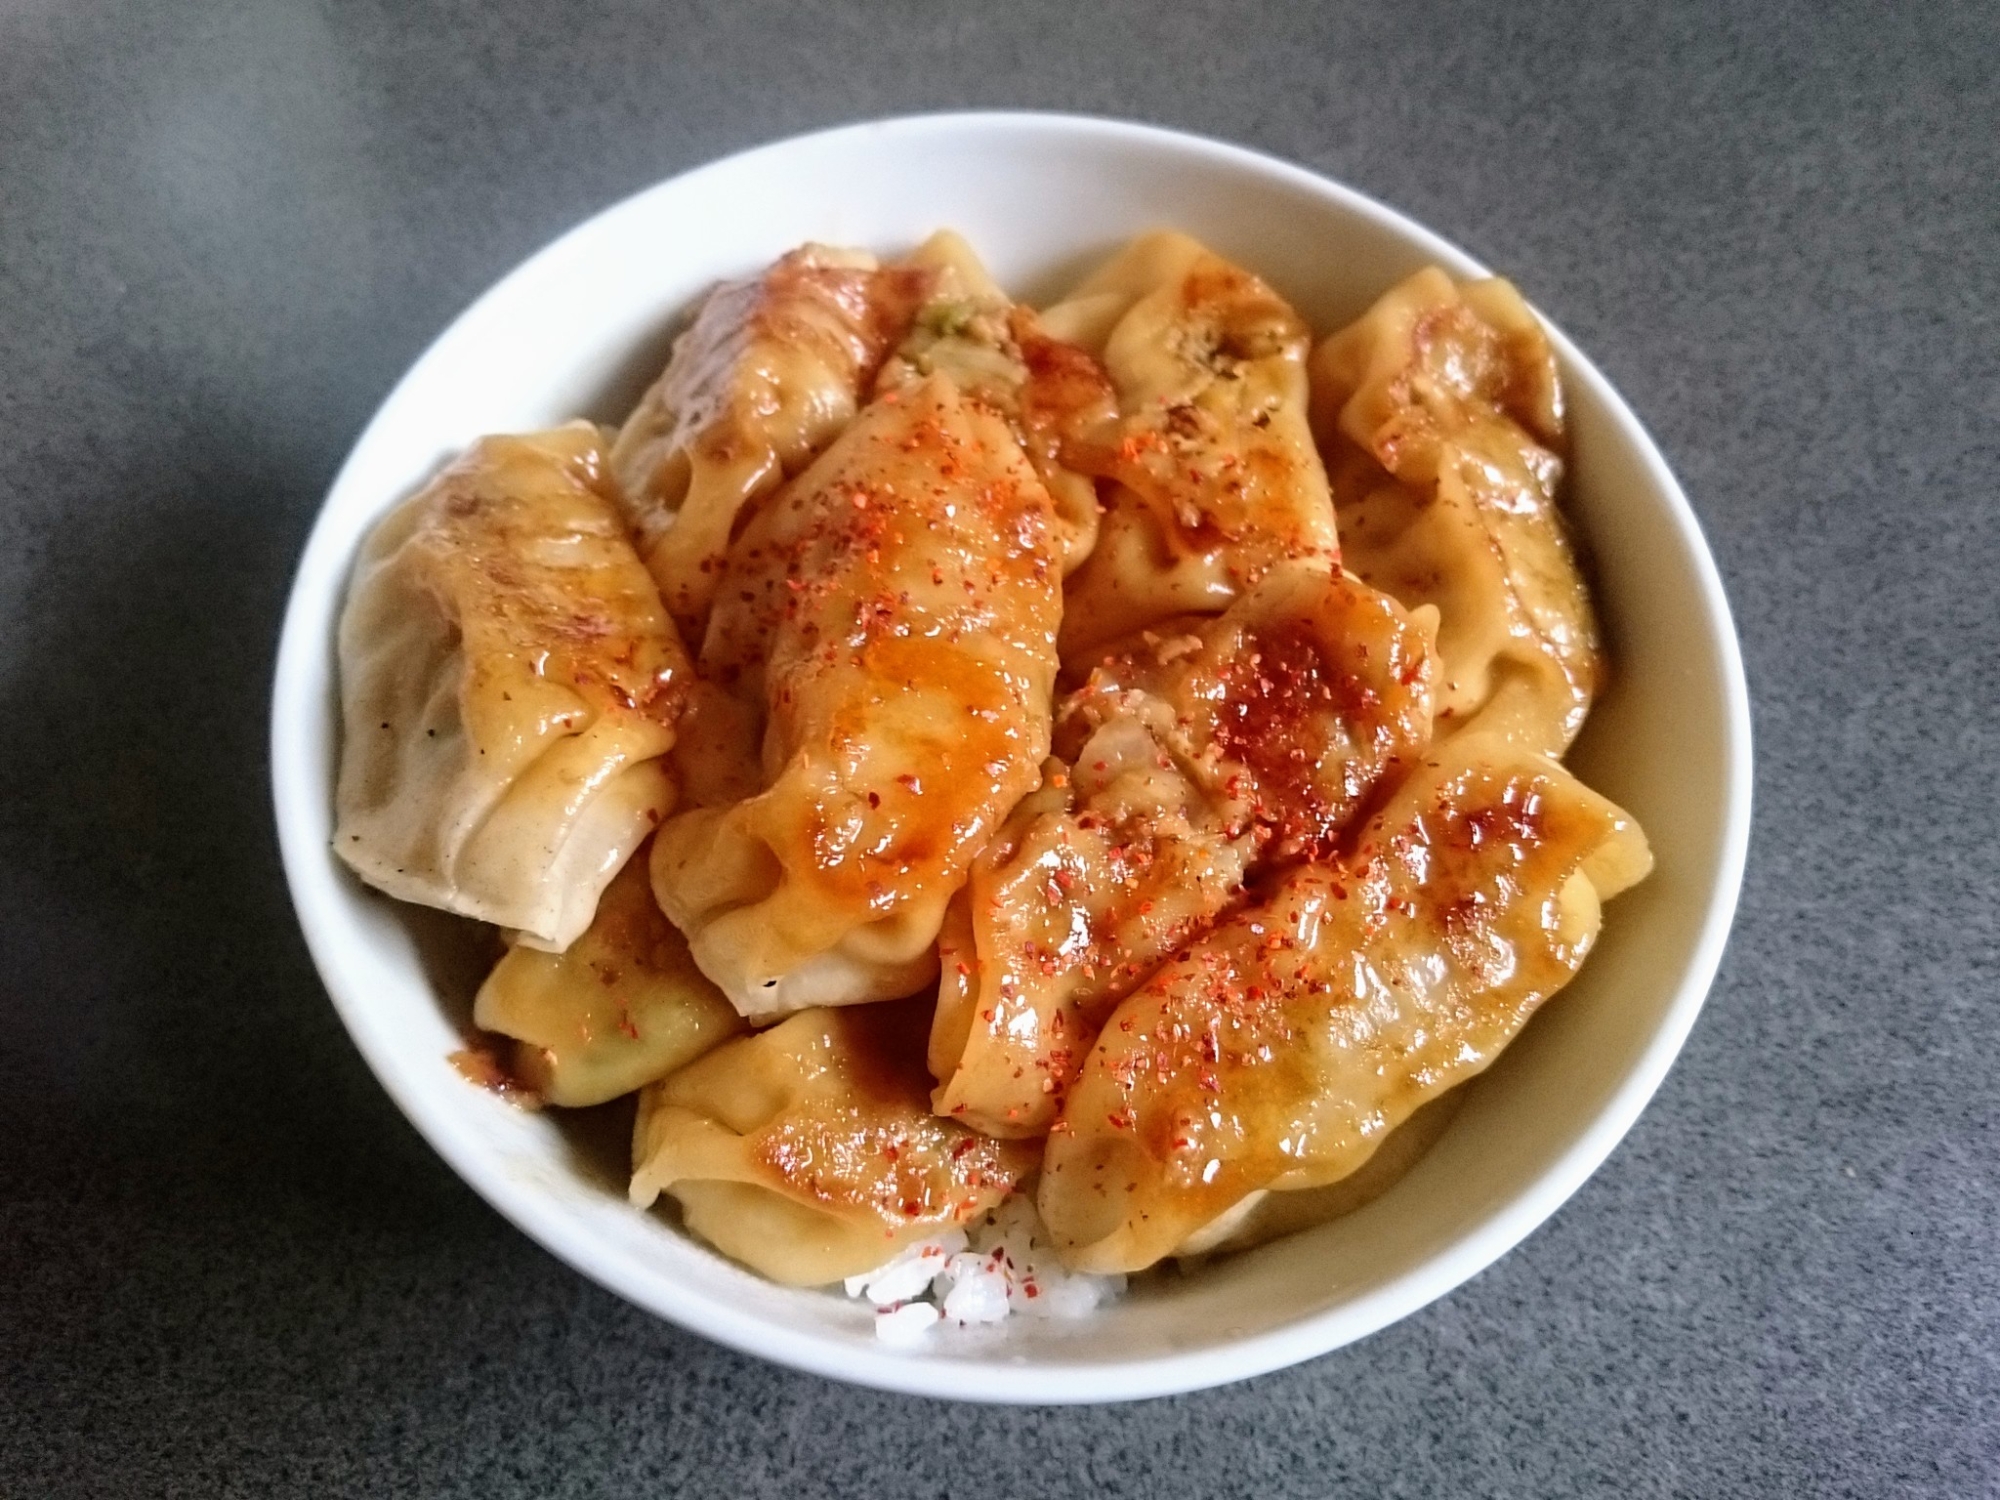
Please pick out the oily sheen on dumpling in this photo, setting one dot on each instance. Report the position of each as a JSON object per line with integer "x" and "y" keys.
{"x": 1280, "y": 1050}
{"x": 770, "y": 371}
{"x": 808, "y": 1151}
{"x": 621, "y": 1006}
{"x": 1263, "y": 1216}
{"x": 1187, "y": 759}
{"x": 878, "y": 669}
{"x": 1212, "y": 477}
{"x": 509, "y": 684}
{"x": 1055, "y": 396}
{"x": 1441, "y": 414}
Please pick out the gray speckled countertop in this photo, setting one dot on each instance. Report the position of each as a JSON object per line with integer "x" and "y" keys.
{"x": 231, "y": 1268}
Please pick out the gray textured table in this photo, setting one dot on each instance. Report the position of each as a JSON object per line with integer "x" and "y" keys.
{"x": 231, "y": 1268}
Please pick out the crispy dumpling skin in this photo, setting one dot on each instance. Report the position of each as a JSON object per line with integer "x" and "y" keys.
{"x": 883, "y": 653}
{"x": 1441, "y": 415}
{"x": 1212, "y": 477}
{"x": 809, "y": 1152}
{"x": 622, "y": 1006}
{"x": 1055, "y": 395}
{"x": 769, "y": 372}
{"x": 509, "y": 684}
{"x": 1288, "y": 1042}
{"x": 1188, "y": 758}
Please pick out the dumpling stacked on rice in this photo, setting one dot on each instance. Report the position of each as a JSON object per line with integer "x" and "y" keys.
{"x": 1116, "y": 784}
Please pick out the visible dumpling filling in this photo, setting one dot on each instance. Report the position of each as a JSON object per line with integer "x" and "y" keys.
{"x": 1055, "y": 395}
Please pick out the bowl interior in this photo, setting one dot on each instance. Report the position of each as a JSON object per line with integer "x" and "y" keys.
{"x": 583, "y": 326}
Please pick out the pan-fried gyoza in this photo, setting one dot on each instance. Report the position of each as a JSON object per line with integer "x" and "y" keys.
{"x": 1012, "y": 792}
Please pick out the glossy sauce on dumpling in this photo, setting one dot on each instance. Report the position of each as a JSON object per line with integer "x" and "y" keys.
{"x": 1055, "y": 395}
{"x": 770, "y": 371}
{"x": 808, "y": 1151}
{"x": 1187, "y": 759}
{"x": 1441, "y": 415}
{"x": 509, "y": 683}
{"x": 623, "y": 1005}
{"x": 1212, "y": 477}
{"x": 1283, "y": 1047}
{"x": 882, "y": 654}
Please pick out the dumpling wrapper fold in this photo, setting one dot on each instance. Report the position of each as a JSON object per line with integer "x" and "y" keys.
{"x": 509, "y": 684}
{"x": 1188, "y": 759}
{"x": 1441, "y": 415}
{"x": 771, "y": 369}
{"x": 875, "y": 699}
{"x": 1281, "y": 1049}
{"x": 1211, "y": 474}
{"x": 808, "y": 1151}
{"x": 1055, "y": 395}
{"x": 622, "y": 1006}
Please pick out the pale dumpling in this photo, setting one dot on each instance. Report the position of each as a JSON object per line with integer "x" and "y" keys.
{"x": 1441, "y": 415}
{"x": 509, "y": 684}
{"x": 1211, "y": 474}
{"x": 808, "y": 1151}
{"x": 622, "y": 1006}
{"x": 1278, "y": 1052}
{"x": 876, "y": 697}
{"x": 1188, "y": 759}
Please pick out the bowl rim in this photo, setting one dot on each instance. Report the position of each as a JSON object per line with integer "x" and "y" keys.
{"x": 305, "y": 634}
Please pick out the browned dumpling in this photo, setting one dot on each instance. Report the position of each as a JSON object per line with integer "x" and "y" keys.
{"x": 1055, "y": 396}
{"x": 1441, "y": 415}
{"x": 1264, "y": 1215}
{"x": 772, "y": 368}
{"x": 809, "y": 1152}
{"x": 622, "y": 1006}
{"x": 878, "y": 671}
{"x": 1186, "y": 758}
{"x": 1212, "y": 478}
{"x": 1277, "y": 1052}
{"x": 509, "y": 683}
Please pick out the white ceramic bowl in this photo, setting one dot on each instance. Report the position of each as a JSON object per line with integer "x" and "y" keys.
{"x": 580, "y": 328}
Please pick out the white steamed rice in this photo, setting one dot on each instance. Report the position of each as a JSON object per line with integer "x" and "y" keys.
{"x": 1003, "y": 1264}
